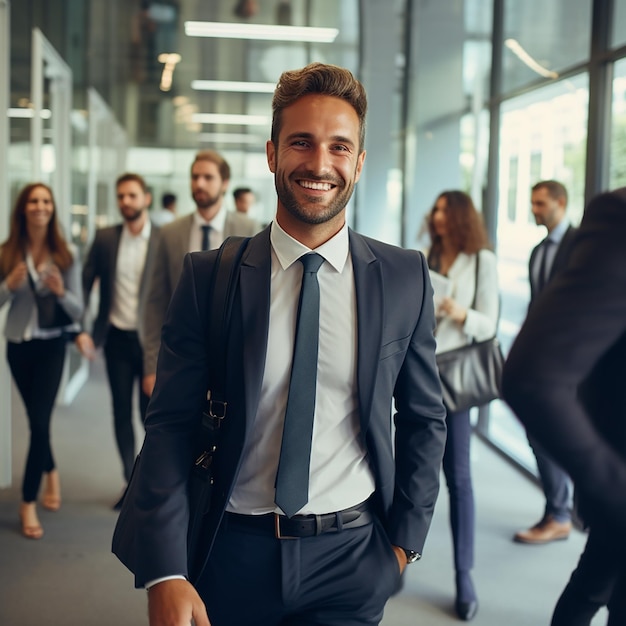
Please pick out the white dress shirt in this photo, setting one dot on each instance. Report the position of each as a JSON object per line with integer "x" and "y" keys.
{"x": 131, "y": 259}
{"x": 340, "y": 476}
{"x": 216, "y": 234}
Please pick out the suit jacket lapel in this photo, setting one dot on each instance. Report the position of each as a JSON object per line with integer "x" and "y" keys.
{"x": 113, "y": 250}
{"x": 369, "y": 304}
{"x": 254, "y": 287}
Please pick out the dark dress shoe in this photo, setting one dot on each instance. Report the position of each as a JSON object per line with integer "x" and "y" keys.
{"x": 466, "y": 610}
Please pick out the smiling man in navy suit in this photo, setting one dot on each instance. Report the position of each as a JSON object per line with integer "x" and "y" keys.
{"x": 369, "y": 498}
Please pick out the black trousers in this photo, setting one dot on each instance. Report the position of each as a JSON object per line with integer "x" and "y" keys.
{"x": 37, "y": 366}
{"x": 335, "y": 579}
{"x": 598, "y": 580}
{"x": 124, "y": 364}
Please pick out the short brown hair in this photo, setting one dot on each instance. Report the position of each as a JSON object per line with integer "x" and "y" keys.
{"x": 214, "y": 157}
{"x": 325, "y": 80}
{"x": 556, "y": 190}
{"x": 131, "y": 177}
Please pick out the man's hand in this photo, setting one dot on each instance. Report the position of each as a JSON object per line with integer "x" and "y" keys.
{"x": 401, "y": 556}
{"x": 176, "y": 603}
{"x": 147, "y": 384}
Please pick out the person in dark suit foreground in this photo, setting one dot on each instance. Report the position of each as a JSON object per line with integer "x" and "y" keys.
{"x": 565, "y": 379}
{"x": 365, "y": 512}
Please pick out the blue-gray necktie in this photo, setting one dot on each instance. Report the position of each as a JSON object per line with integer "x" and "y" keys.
{"x": 544, "y": 271}
{"x": 292, "y": 479}
{"x": 206, "y": 229}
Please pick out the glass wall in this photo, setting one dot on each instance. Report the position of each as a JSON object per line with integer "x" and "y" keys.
{"x": 618, "y": 128}
{"x": 543, "y": 38}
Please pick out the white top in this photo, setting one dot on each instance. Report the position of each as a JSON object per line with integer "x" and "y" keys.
{"x": 339, "y": 473}
{"x": 481, "y": 322}
{"x": 131, "y": 259}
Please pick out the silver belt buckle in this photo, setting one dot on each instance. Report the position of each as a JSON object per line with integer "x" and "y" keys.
{"x": 277, "y": 532}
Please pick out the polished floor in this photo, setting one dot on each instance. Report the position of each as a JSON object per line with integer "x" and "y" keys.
{"x": 70, "y": 578}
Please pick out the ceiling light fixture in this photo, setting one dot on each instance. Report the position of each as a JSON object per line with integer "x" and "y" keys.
{"x": 28, "y": 112}
{"x": 271, "y": 32}
{"x": 516, "y": 48}
{"x": 170, "y": 59}
{"x": 220, "y": 118}
{"x": 232, "y": 85}
{"x": 231, "y": 138}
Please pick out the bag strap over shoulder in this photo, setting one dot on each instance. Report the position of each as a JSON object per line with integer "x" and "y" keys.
{"x": 222, "y": 290}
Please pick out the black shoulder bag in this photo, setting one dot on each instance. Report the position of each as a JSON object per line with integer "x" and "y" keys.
{"x": 200, "y": 483}
{"x": 200, "y": 487}
{"x": 470, "y": 375}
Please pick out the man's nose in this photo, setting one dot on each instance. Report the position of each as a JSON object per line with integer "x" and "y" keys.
{"x": 320, "y": 161}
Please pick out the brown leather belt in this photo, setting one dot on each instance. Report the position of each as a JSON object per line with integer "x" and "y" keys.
{"x": 300, "y": 526}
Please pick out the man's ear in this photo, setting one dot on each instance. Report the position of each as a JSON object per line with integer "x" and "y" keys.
{"x": 270, "y": 151}
{"x": 359, "y": 166}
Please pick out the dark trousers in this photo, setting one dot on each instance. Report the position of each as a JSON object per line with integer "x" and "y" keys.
{"x": 37, "y": 366}
{"x": 336, "y": 579}
{"x": 556, "y": 484}
{"x": 597, "y": 581}
{"x": 124, "y": 364}
{"x": 456, "y": 468}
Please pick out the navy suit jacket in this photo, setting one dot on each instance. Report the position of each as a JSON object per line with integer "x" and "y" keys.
{"x": 565, "y": 376}
{"x": 560, "y": 259}
{"x": 396, "y": 361}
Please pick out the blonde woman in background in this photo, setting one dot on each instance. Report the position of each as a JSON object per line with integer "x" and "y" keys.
{"x": 35, "y": 259}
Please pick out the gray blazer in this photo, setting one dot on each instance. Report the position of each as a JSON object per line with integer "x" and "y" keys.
{"x": 101, "y": 263}
{"x": 168, "y": 265}
{"x": 22, "y": 301}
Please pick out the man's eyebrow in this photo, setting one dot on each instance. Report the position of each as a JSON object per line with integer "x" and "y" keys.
{"x": 310, "y": 136}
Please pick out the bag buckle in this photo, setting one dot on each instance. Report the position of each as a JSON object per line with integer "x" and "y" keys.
{"x": 216, "y": 408}
{"x": 277, "y": 532}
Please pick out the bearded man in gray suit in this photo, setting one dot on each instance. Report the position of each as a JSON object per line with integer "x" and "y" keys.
{"x": 204, "y": 229}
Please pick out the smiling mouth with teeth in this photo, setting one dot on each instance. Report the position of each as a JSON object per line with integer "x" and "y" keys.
{"x": 315, "y": 186}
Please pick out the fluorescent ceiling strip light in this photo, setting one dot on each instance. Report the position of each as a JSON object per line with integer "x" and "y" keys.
{"x": 231, "y": 138}
{"x": 304, "y": 34}
{"x": 219, "y": 118}
{"x": 515, "y": 47}
{"x": 232, "y": 85}
{"x": 25, "y": 113}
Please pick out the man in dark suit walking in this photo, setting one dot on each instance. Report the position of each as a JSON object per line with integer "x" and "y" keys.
{"x": 349, "y": 507}
{"x": 547, "y": 260}
{"x": 120, "y": 257}
{"x": 565, "y": 379}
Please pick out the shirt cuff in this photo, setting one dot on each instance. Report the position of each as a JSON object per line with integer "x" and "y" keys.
{"x": 156, "y": 581}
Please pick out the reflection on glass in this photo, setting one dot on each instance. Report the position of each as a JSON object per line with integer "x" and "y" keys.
{"x": 618, "y": 130}
{"x": 543, "y": 136}
{"x": 618, "y": 23}
{"x": 543, "y": 38}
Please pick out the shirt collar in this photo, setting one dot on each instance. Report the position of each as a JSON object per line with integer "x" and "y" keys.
{"x": 558, "y": 231}
{"x": 144, "y": 233}
{"x": 216, "y": 223}
{"x": 288, "y": 250}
